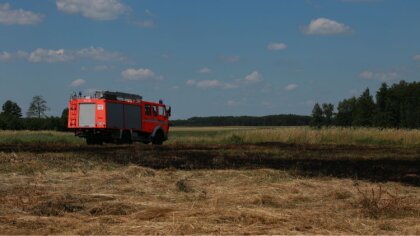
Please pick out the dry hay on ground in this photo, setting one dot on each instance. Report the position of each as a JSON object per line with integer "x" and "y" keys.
{"x": 129, "y": 199}
{"x": 271, "y": 188}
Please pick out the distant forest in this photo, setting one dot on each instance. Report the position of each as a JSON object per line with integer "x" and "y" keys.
{"x": 395, "y": 106}
{"x": 272, "y": 120}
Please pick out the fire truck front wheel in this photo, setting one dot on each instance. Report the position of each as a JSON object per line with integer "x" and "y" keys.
{"x": 158, "y": 138}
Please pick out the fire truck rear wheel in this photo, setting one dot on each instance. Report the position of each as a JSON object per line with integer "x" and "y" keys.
{"x": 126, "y": 137}
{"x": 94, "y": 141}
{"x": 158, "y": 139}
{"x": 90, "y": 141}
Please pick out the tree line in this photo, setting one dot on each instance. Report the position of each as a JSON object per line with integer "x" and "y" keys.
{"x": 271, "y": 120}
{"x": 395, "y": 106}
{"x": 11, "y": 117}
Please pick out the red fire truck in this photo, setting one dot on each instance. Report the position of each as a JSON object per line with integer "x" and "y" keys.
{"x": 115, "y": 117}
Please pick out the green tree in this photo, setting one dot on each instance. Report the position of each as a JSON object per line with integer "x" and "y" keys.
{"x": 316, "y": 119}
{"x": 328, "y": 111}
{"x": 63, "y": 119}
{"x": 364, "y": 111}
{"x": 38, "y": 107}
{"x": 382, "y": 116}
{"x": 11, "y": 109}
{"x": 3, "y": 122}
{"x": 345, "y": 112}
{"x": 396, "y": 106}
{"x": 10, "y": 117}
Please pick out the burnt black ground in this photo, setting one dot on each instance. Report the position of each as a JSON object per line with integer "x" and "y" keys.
{"x": 373, "y": 163}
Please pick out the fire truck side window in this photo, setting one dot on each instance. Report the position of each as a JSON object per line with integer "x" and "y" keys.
{"x": 161, "y": 111}
{"x": 147, "y": 110}
{"x": 155, "y": 112}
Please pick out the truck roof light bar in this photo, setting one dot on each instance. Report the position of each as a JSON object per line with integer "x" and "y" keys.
{"x": 117, "y": 95}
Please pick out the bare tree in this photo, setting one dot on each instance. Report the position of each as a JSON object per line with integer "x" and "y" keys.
{"x": 38, "y": 107}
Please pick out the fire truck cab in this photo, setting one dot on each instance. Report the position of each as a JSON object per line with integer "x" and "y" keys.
{"x": 115, "y": 117}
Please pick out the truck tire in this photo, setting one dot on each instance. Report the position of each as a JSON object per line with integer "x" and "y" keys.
{"x": 90, "y": 141}
{"x": 158, "y": 139}
{"x": 93, "y": 141}
{"x": 126, "y": 137}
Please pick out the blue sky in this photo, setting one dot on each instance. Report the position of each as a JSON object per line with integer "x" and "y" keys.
{"x": 231, "y": 57}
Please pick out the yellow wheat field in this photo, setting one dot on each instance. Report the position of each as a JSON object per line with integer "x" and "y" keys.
{"x": 238, "y": 135}
{"x": 304, "y": 135}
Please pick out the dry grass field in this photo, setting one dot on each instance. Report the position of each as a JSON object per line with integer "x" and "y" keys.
{"x": 300, "y": 135}
{"x": 51, "y": 183}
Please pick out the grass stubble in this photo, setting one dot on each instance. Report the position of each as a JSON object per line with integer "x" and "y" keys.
{"x": 67, "y": 193}
{"x": 244, "y": 135}
{"x": 89, "y": 193}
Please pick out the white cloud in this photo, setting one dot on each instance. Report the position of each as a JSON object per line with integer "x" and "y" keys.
{"x": 139, "y": 74}
{"x": 324, "y": 26}
{"x": 291, "y": 87}
{"x": 94, "y": 9}
{"x": 230, "y": 59}
{"x": 5, "y": 56}
{"x": 78, "y": 83}
{"x": 49, "y": 56}
{"x": 381, "y": 76}
{"x": 100, "y": 54}
{"x": 62, "y": 55}
{"x": 210, "y": 84}
{"x": 9, "y": 16}
{"x": 8, "y": 56}
{"x": 416, "y": 57}
{"x": 21, "y": 55}
{"x": 204, "y": 70}
{"x": 254, "y": 77}
{"x": 276, "y": 46}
